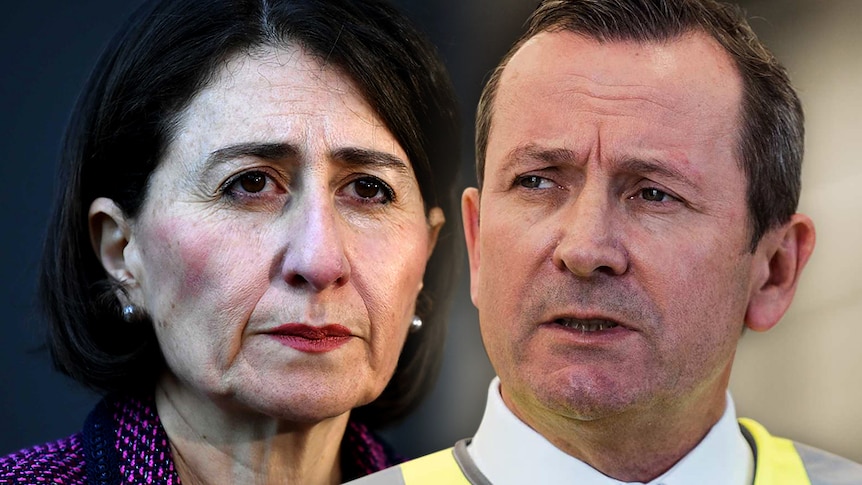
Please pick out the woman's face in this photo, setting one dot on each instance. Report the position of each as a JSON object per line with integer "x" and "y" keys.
{"x": 283, "y": 206}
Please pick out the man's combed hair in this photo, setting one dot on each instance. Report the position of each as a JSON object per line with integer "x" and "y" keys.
{"x": 771, "y": 126}
{"x": 166, "y": 53}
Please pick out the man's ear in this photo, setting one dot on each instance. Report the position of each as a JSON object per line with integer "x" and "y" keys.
{"x": 470, "y": 217}
{"x": 778, "y": 262}
{"x": 110, "y": 234}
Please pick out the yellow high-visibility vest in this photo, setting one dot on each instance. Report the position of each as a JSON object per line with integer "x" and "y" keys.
{"x": 777, "y": 462}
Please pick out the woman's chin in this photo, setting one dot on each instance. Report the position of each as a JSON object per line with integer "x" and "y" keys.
{"x": 297, "y": 399}
{"x": 309, "y": 403}
{"x": 302, "y": 408}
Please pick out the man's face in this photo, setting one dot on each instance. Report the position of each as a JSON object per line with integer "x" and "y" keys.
{"x": 609, "y": 254}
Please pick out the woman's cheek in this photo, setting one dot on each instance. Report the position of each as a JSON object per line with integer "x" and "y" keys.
{"x": 198, "y": 266}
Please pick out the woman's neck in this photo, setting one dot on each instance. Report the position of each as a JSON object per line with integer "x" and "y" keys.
{"x": 214, "y": 445}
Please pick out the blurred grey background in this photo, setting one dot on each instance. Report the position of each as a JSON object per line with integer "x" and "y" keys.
{"x": 803, "y": 379}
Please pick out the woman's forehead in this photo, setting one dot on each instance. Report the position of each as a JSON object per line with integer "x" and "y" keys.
{"x": 281, "y": 97}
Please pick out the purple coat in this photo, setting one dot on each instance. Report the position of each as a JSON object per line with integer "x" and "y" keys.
{"x": 123, "y": 441}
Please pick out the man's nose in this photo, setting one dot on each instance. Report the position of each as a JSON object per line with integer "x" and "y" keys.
{"x": 315, "y": 257}
{"x": 589, "y": 243}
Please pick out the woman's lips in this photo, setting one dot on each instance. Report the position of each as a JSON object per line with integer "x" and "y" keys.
{"x": 313, "y": 340}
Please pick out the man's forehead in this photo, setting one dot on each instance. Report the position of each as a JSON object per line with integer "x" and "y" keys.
{"x": 677, "y": 102}
{"x": 689, "y": 87}
{"x": 692, "y": 69}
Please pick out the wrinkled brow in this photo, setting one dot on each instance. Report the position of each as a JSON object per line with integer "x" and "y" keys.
{"x": 655, "y": 167}
{"x": 552, "y": 156}
{"x": 365, "y": 157}
{"x": 281, "y": 151}
{"x": 266, "y": 151}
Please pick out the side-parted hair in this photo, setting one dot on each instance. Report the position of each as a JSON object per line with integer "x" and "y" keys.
{"x": 167, "y": 52}
{"x": 771, "y": 131}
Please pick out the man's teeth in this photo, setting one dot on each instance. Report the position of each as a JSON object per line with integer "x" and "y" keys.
{"x": 586, "y": 325}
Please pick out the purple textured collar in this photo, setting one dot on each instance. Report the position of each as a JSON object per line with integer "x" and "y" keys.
{"x": 124, "y": 442}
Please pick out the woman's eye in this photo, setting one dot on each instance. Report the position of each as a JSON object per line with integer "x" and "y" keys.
{"x": 534, "y": 182}
{"x": 251, "y": 183}
{"x": 367, "y": 188}
{"x": 371, "y": 189}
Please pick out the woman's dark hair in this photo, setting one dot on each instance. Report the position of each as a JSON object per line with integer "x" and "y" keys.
{"x": 166, "y": 53}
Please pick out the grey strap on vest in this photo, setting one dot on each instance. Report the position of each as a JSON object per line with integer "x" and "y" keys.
{"x": 825, "y": 468}
{"x": 468, "y": 467}
{"x": 389, "y": 476}
{"x": 394, "y": 476}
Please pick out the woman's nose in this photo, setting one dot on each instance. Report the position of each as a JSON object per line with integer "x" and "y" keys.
{"x": 315, "y": 257}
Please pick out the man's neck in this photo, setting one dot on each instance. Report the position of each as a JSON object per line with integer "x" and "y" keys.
{"x": 635, "y": 446}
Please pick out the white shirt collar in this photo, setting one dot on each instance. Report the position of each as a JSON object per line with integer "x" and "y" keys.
{"x": 507, "y": 451}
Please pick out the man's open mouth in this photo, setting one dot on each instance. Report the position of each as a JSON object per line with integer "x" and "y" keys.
{"x": 589, "y": 325}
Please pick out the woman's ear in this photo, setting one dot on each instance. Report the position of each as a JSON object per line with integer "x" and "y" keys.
{"x": 436, "y": 219}
{"x": 778, "y": 262}
{"x": 109, "y": 235}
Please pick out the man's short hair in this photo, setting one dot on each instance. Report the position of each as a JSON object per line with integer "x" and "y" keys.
{"x": 771, "y": 136}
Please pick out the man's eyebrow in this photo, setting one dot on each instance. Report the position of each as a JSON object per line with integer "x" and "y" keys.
{"x": 557, "y": 156}
{"x": 266, "y": 151}
{"x": 366, "y": 157}
{"x": 552, "y": 156}
{"x": 655, "y": 167}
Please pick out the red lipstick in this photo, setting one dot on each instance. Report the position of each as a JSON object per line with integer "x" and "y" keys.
{"x": 313, "y": 340}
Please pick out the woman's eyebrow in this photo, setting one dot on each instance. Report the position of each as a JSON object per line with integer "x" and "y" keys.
{"x": 280, "y": 151}
{"x": 266, "y": 151}
{"x": 366, "y": 157}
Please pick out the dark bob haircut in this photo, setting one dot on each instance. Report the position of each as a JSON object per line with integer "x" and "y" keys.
{"x": 771, "y": 135}
{"x": 166, "y": 53}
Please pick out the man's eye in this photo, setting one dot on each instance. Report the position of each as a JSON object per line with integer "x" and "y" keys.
{"x": 533, "y": 182}
{"x": 655, "y": 195}
{"x": 371, "y": 190}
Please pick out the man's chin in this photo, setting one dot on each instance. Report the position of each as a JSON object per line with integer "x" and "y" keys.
{"x": 589, "y": 399}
